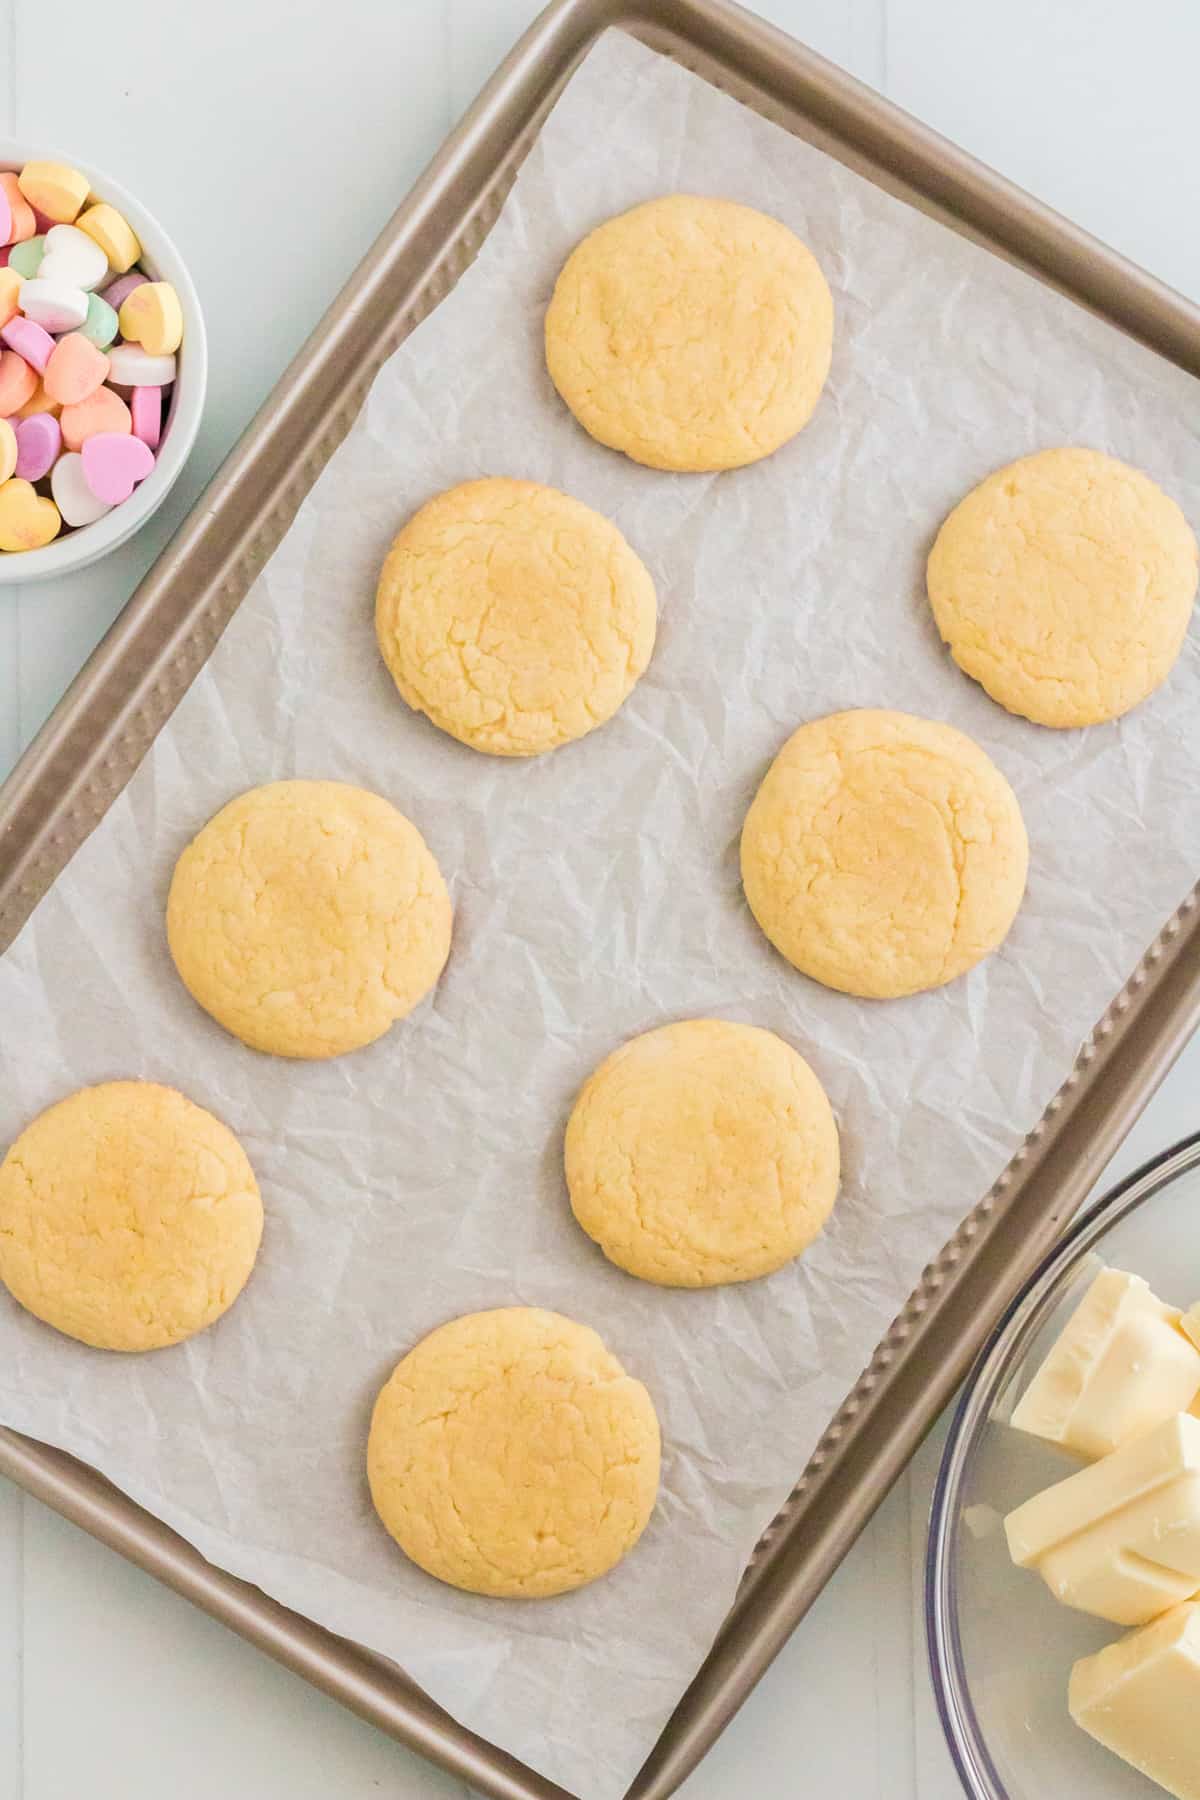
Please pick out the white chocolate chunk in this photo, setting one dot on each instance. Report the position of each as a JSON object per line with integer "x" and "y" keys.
{"x": 1120, "y": 1366}
{"x": 1120, "y": 1539}
{"x": 1140, "y": 1698}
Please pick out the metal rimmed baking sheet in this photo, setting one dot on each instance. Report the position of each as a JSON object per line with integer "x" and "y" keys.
{"x": 179, "y": 612}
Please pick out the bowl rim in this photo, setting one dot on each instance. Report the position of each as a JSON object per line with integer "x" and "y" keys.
{"x": 87, "y": 546}
{"x": 1018, "y": 1325}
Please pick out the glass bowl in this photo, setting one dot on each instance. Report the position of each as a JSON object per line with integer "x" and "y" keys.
{"x": 1000, "y": 1646}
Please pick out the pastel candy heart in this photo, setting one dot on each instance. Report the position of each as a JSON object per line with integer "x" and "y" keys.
{"x": 53, "y": 189}
{"x": 26, "y": 258}
{"x": 112, "y": 231}
{"x": 100, "y": 326}
{"x": 27, "y": 521}
{"x": 5, "y": 218}
{"x": 21, "y": 223}
{"x": 131, "y": 366}
{"x": 38, "y": 402}
{"x": 146, "y": 409}
{"x": 152, "y": 317}
{"x": 10, "y": 288}
{"x": 17, "y": 383}
{"x": 72, "y": 495}
{"x": 75, "y": 369}
{"x": 113, "y": 465}
{"x": 102, "y": 411}
{"x": 38, "y": 441}
{"x": 55, "y": 305}
{"x": 8, "y": 450}
{"x": 72, "y": 256}
{"x": 29, "y": 341}
{"x": 119, "y": 291}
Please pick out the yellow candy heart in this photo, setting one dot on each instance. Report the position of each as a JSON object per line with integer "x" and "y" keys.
{"x": 8, "y": 450}
{"x": 55, "y": 189}
{"x": 27, "y": 522}
{"x": 38, "y": 402}
{"x": 152, "y": 317}
{"x": 114, "y": 234}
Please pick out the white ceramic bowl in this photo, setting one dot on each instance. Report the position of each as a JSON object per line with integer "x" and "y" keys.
{"x": 162, "y": 262}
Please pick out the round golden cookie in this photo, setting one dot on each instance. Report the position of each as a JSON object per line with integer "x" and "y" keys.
{"x": 702, "y": 1153}
{"x": 691, "y": 333}
{"x": 129, "y": 1217}
{"x": 513, "y": 616}
{"x": 883, "y": 854}
{"x": 307, "y": 917}
{"x": 1064, "y": 585}
{"x": 510, "y": 1454}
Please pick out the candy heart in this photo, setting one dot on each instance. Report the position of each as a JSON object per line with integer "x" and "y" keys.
{"x": 119, "y": 291}
{"x": 75, "y": 369}
{"x": 29, "y": 341}
{"x": 38, "y": 442}
{"x": 27, "y": 521}
{"x": 131, "y": 366}
{"x": 55, "y": 305}
{"x": 38, "y": 402}
{"x": 113, "y": 465}
{"x": 152, "y": 317}
{"x": 72, "y": 256}
{"x": 8, "y": 450}
{"x": 73, "y": 497}
{"x": 17, "y": 383}
{"x": 100, "y": 326}
{"x": 10, "y": 288}
{"x": 114, "y": 234}
{"x": 21, "y": 220}
{"x": 146, "y": 409}
{"x": 26, "y": 258}
{"x": 53, "y": 189}
{"x": 101, "y": 411}
{"x": 5, "y": 218}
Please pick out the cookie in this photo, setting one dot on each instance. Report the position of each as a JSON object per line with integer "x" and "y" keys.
{"x": 883, "y": 854}
{"x": 701, "y": 1153}
{"x": 307, "y": 917}
{"x": 691, "y": 333}
{"x": 513, "y": 616}
{"x": 1064, "y": 585}
{"x": 129, "y": 1217}
{"x": 510, "y": 1454}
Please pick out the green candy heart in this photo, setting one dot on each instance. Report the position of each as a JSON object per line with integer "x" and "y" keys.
{"x": 100, "y": 326}
{"x": 26, "y": 258}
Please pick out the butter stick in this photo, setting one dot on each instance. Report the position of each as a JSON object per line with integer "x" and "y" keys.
{"x": 1120, "y": 1539}
{"x": 1140, "y": 1698}
{"x": 1121, "y": 1365}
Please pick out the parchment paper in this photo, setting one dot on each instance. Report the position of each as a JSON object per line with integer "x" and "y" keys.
{"x": 597, "y": 895}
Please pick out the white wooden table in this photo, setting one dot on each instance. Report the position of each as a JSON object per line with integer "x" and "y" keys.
{"x": 274, "y": 137}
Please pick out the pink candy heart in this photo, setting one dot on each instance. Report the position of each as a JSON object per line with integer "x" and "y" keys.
{"x": 39, "y": 440}
{"x": 114, "y": 464}
{"x": 146, "y": 408}
{"x": 29, "y": 341}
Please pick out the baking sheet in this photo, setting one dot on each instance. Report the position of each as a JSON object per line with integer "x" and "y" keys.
{"x": 597, "y": 894}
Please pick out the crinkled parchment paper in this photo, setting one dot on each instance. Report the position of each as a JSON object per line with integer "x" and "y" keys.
{"x": 597, "y": 894}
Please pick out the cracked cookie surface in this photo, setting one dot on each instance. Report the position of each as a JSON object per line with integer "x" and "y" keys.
{"x": 691, "y": 333}
{"x": 702, "y": 1152}
{"x": 513, "y": 616}
{"x": 511, "y": 1455}
{"x": 883, "y": 854}
{"x": 129, "y": 1217}
{"x": 1064, "y": 585}
{"x": 307, "y": 917}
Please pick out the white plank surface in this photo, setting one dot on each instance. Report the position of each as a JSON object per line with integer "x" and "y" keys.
{"x": 274, "y": 139}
